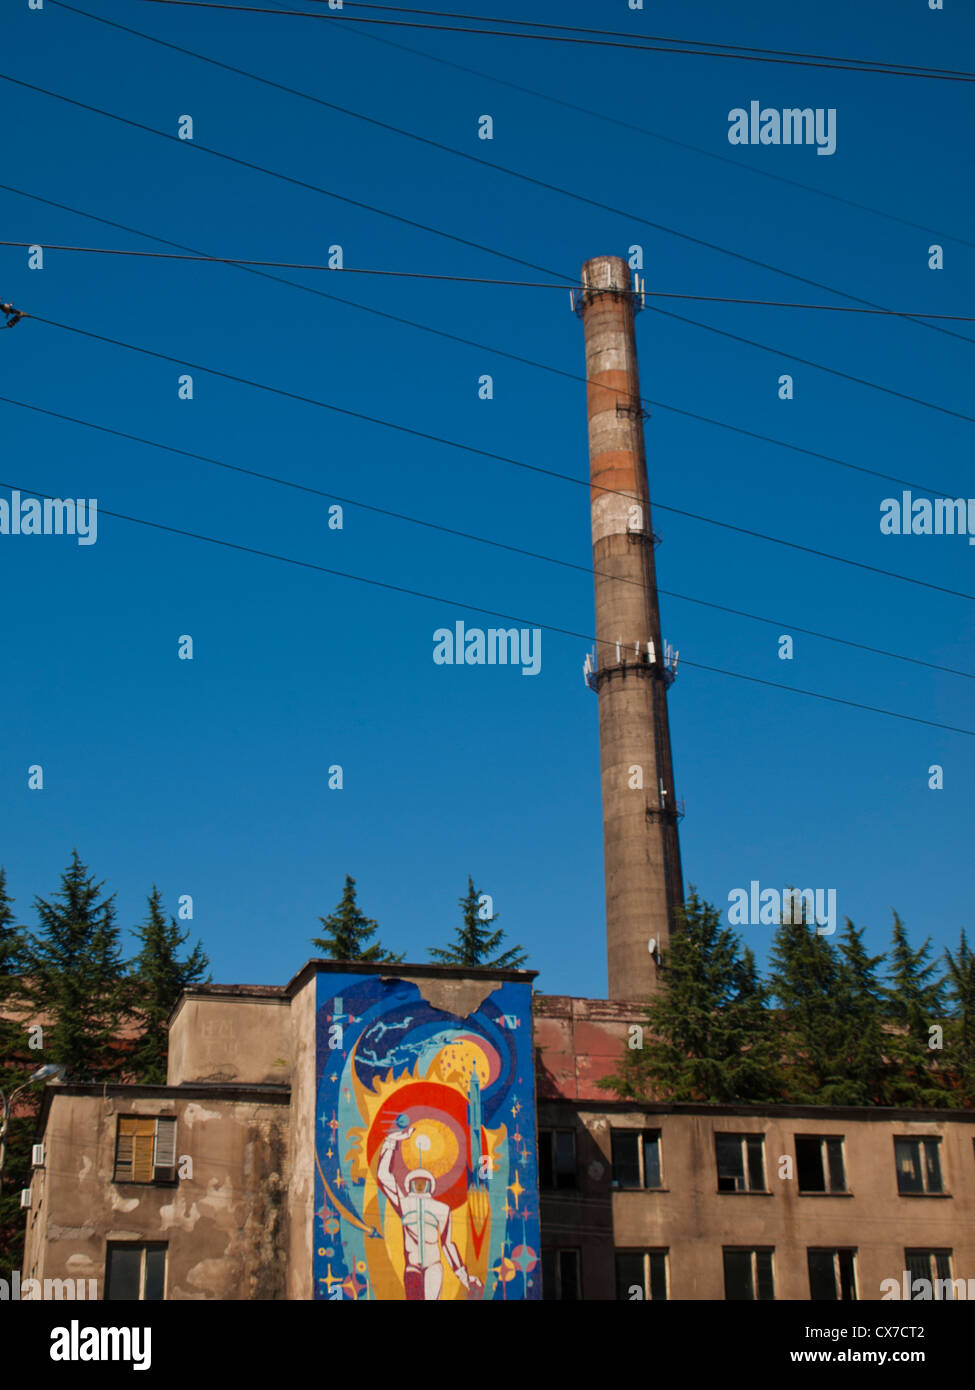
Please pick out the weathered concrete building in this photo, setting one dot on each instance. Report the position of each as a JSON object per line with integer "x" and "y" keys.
{"x": 714, "y": 1202}
{"x": 210, "y": 1187}
{"x": 296, "y": 1152}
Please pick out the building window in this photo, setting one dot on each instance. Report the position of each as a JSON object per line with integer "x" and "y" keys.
{"x": 145, "y": 1149}
{"x": 819, "y": 1161}
{"x": 918, "y": 1166}
{"x": 741, "y": 1166}
{"x": 935, "y": 1267}
{"x": 560, "y": 1275}
{"x": 748, "y": 1274}
{"x": 556, "y": 1158}
{"x": 641, "y": 1274}
{"x": 636, "y": 1158}
{"x": 135, "y": 1272}
{"x": 831, "y": 1276}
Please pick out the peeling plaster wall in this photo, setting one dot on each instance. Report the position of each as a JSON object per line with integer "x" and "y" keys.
{"x": 225, "y": 1226}
{"x": 301, "y": 1193}
{"x": 230, "y": 1038}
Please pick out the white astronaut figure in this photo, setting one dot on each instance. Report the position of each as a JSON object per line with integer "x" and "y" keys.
{"x": 426, "y": 1226}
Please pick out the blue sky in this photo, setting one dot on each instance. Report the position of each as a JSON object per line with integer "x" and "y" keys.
{"x": 210, "y": 777}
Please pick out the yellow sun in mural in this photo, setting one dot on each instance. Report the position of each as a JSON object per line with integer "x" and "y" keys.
{"x": 432, "y": 1146}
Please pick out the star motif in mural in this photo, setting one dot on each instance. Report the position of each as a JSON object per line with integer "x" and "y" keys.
{"x": 323, "y": 1119}
{"x": 516, "y": 1188}
{"x": 329, "y": 1279}
{"x": 333, "y": 1124}
{"x": 516, "y": 1137}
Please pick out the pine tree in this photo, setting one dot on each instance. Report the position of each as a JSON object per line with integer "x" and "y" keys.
{"x": 708, "y": 1036}
{"x": 863, "y": 1000}
{"x": 474, "y": 944}
{"x": 347, "y": 930}
{"x": 76, "y": 979}
{"x": 157, "y": 979}
{"x": 960, "y": 1031}
{"x": 914, "y": 1002}
{"x": 16, "y": 1065}
{"x": 807, "y": 981}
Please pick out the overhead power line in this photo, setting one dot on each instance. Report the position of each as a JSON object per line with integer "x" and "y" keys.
{"x": 650, "y": 134}
{"x": 497, "y": 168}
{"x": 474, "y": 280}
{"x": 489, "y": 454}
{"x": 496, "y": 351}
{"x": 284, "y": 178}
{"x": 749, "y": 49}
{"x": 470, "y": 536}
{"x": 868, "y": 66}
{"x": 488, "y": 612}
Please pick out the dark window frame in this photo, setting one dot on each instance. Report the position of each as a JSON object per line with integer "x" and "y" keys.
{"x": 144, "y": 1249}
{"x": 750, "y": 1151}
{"x": 826, "y": 1163}
{"x": 553, "y": 1289}
{"x": 843, "y": 1272}
{"x": 760, "y": 1272}
{"x": 926, "y": 1146}
{"x": 655, "y": 1274}
{"x": 643, "y": 1138}
{"x": 549, "y": 1163}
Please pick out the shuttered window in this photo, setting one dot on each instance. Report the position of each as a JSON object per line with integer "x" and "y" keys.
{"x": 145, "y": 1149}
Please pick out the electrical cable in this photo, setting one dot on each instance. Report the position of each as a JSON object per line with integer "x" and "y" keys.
{"x": 512, "y": 173}
{"x": 643, "y": 130}
{"x": 481, "y": 540}
{"x": 486, "y": 453}
{"x": 889, "y": 70}
{"x": 496, "y": 351}
{"x": 490, "y": 612}
{"x": 475, "y": 280}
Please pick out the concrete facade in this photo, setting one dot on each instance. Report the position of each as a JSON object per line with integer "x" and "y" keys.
{"x": 238, "y": 1214}
{"x": 640, "y": 842}
{"x": 239, "y": 1222}
{"x": 691, "y": 1222}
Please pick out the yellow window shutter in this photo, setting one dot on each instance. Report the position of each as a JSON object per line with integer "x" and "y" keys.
{"x": 136, "y": 1139}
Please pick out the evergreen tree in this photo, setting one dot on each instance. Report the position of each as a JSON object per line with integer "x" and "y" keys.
{"x": 474, "y": 944}
{"x": 347, "y": 930}
{"x": 960, "y": 1031}
{"x": 16, "y": 1065}
{"x": 914, "y": 1003}
{"x": 862, "y": 999}
{"x": 158, "y": 977}
{"x": 75, "y": 971}
{"x": 708, "y": 1036}
{"x": 807, "y": 981}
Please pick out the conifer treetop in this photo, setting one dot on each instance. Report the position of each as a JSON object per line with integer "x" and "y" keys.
{"x": 474, "y": 944}
{"x": 347, "y": 930}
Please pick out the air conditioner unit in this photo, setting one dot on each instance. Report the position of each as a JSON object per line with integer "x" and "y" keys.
{"x": 37, "y": 1155}
{"x": 25, "y": 1197}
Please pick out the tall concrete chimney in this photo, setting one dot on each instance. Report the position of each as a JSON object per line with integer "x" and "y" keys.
{"x": 641, "y": 849}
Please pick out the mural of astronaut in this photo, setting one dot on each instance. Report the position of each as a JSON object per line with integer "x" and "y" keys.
{"x": 426, "y": 1171}
{"x": 426, "y": 1226}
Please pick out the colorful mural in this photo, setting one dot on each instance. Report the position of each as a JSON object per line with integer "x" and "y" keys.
{"x": 426, "y": 1181}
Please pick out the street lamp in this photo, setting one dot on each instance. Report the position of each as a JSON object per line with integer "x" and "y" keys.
{"x": 49, "y": 1072}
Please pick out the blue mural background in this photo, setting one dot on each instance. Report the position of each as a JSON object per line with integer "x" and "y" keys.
{"x": 426, "y": 1173}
